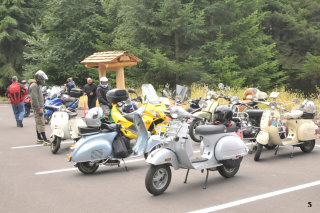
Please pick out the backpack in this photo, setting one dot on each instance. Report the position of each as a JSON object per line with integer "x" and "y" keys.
{"x": 15, "y": 93}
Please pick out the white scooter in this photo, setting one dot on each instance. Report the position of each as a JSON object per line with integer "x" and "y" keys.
{"x": 64, "y": 125}
{"x": 221, "y": 149}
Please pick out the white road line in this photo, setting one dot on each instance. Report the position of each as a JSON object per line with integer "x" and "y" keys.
{"x": 317, "y": 145}
{"x": 71, "y": 169}
{"x": 258, "y": 197}
{"x": 31, "y": 146}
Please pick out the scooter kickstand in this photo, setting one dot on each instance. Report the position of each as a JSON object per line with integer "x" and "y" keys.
{"x": 291, "y": 156}
{"x": 185, "y": 180}
{"x": 125, "y": 166}
{"x": 205, "y": 183}
{"x": 277, "y": 148}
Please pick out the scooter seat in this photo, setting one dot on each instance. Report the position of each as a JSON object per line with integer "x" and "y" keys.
{"x": 215, "y": 129}
{"x": 110, "y": 127}
{"x": 72, "y": 114}
{"x": 254, "y": 113}
{"x": 68, "y": 101}
{"x": 294, "y": 114}
{"x": 87, "y": 130}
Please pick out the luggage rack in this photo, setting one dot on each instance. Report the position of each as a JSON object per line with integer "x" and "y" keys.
{"x": 169, "y": 128}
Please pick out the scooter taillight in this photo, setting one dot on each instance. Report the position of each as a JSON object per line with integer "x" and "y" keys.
{"x": 60, "y": 98}
{"x": 287, "y": 131}
{"x": 230, "y": 124}
{"x": 240, "y": 134}
{"x": 217, "y": 122}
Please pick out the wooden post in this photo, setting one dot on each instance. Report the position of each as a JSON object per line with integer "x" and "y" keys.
{"x": 120, "y": 78}
{"x": 102, "y": 70}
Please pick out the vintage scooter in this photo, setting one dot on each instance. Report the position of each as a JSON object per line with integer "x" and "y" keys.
{"x": 64, "y": 125}
{"x": 221, "y": 149}
{"x": 95, "y": 147}
{"x": 296, "y": 129}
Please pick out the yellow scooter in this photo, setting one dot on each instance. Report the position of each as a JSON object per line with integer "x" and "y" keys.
{"x": 295, "y": 128}
{"x": 154, "y": 110}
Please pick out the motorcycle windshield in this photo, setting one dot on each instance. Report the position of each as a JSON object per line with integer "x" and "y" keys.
{"x": 182, "y": 92}
{"x": 55, "y": 91}
{"x": 149, "y": 94}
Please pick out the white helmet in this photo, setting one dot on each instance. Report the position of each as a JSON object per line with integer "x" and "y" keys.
{"x": 104, "y": 82}
{"x": 308, "y": 107}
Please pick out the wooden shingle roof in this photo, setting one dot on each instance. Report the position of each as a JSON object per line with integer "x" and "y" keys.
{"x": 111, "y": 57}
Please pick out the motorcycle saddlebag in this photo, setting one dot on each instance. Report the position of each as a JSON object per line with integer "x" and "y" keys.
{"x": 76, "y": 93}
{"x": 119, "y": 147}
{"x": 116, "y": 95}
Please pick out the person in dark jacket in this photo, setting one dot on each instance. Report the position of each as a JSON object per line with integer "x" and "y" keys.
{"x": 90, "y": 90}
{"x": 102, "y": 90}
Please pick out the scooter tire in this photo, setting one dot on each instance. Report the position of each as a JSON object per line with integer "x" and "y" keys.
{"x": 47, "y": 119}
{"x": 27, "y": 112}
{"x": 307, "y": 146}
{"x": 192, "y": 127}
{"x": 161, "y": 172}
{"x": 87, "y": 167}
{"x": 228, "y": 171}
{"x": 55, "y": 144}
{"x": 258, "y": 152}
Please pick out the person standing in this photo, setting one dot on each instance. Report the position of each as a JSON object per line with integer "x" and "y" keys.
{"x": 16, "y": 93}
{"x": 90, "y": 90}
{"x": 37, "y": 104}
{"x": 102, "y": 90}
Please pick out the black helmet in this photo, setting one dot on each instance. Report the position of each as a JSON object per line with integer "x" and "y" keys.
{"x": 223, "y": 114}
{"x": 40, "y": 77}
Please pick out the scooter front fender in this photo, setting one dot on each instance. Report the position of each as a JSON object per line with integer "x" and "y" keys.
{"x": 263, "y": 138}
{"x": 93, "y": 147}
{"x": 163, "y": 156}
{"x": 58, "y": 133}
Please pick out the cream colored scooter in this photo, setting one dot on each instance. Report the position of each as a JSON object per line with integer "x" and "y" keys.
{"x": 64, "y": 125}
{"x": 297, "y": 127}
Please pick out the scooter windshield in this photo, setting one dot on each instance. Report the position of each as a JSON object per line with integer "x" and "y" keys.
{"x": 55, "y": 91}
{"x": 149, "y": 94}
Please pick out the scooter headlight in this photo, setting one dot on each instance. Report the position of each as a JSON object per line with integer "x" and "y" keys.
{"x": 203, "y": 104}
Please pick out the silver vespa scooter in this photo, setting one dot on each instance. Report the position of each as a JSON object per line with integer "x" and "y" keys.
{"x": 95, "y": 146}
{"x": 221, "y": 149}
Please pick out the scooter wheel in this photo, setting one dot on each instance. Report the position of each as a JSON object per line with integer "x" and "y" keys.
{"x": 193, "y": 125}
{"x": 307, "y": 146}
{"x": 55, "y": 145}
{"x": 87, "y": 167}
{"x": 229, "y": 168}
{"x": 258, "y": 152}
{"x": 158, "y": 179}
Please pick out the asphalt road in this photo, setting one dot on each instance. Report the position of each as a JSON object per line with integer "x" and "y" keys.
{"x": 34, "y": 180}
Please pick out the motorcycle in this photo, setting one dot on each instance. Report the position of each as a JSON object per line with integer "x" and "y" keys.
{"x": 56, "y": 98}
{"x": 154, "y": 110}
{"x": 97, "y": 146}
{"x": 27, "y": 105}
{"x": 221, "y": 149}
{"x": 295, "y": 128}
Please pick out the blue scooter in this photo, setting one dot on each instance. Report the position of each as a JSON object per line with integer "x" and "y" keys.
{"x": 96, "y": 147}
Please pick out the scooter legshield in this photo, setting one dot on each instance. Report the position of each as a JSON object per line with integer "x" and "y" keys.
{"x": 263, "y": 137}
{"x": 230, "y": 147}
{"x": 93, "y": 148}
{"x": 163, "y": 156}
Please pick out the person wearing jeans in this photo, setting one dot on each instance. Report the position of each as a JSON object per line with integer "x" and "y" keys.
{"x": 16, "y": 93}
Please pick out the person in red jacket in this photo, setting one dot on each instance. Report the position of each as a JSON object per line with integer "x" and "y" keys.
{"x": 16, "y": 93}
